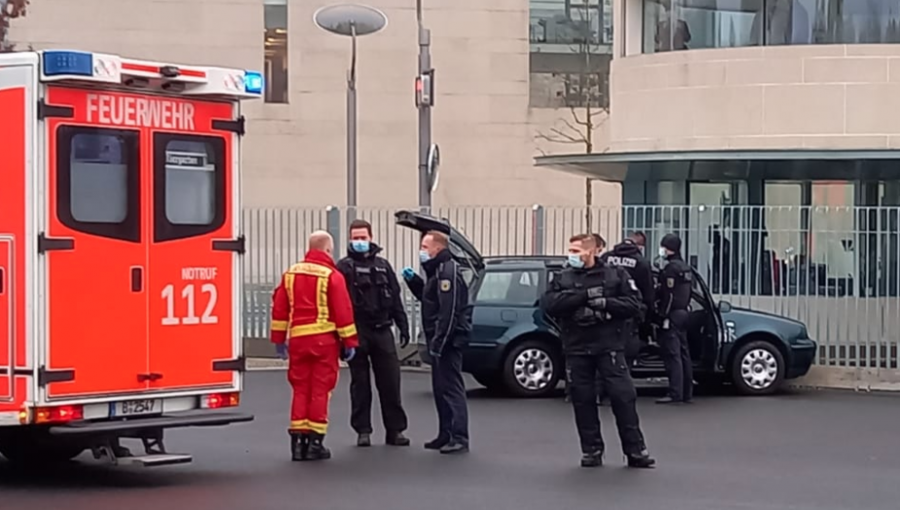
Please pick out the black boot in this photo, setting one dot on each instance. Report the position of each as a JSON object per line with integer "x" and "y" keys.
{"x": 437, "y": 443}
{"x": 317, "y": 450}
{"x": 396, "y": 439}
{"x": 641, "y": 460}
{"x": 593, "y": 459}
{"x": 364, "y": 440}
{"x": 299, "y": 447}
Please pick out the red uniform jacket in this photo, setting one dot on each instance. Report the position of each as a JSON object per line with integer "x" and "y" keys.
{"x": 312, "y": 301}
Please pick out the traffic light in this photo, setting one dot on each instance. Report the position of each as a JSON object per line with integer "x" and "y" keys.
{"x": 425, "y": 89}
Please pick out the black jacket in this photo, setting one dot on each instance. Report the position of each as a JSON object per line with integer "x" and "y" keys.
{"x": 446, "y": 312}
{"x": 627, "y": 255}
{"x": 376, "y": 296}
{"x": 675, "y": 280}
{"x": 593, "y": 308}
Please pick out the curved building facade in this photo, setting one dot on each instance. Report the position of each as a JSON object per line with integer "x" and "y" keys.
{"x": 767, "y": 134}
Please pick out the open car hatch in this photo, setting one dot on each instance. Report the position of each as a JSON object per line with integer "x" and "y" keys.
{"x": 460, "y": 247}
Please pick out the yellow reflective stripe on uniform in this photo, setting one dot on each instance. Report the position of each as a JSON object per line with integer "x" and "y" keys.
{"x": 318, "y": 427}
{"x": 347, "y": 331}
{"x": 311, "y": 269}
{"x": 300, "y": 425}
{"x": 279, "y": 325}
{"x": 322, "y": 299}
{"x": 312, "y": 329}
{"x": 289, "y": 288}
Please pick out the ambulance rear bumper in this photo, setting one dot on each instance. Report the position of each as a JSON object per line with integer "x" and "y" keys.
{"x": 138, "y": 425}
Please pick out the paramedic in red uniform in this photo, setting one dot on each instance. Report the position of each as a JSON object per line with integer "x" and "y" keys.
{"x": 312, "y": 324}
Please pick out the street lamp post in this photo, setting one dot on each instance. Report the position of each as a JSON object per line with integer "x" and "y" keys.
{"x": 351, "y": 20}
{"x": 424, "y": 101}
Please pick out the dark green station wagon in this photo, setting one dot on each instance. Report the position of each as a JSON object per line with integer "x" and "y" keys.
{"x": 515, "y": 348}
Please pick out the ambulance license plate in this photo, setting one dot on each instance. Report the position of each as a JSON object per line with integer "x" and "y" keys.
{"x": 135, "y": 408}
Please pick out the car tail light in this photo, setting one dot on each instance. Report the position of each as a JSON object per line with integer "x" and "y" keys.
{"x": 220, "y": 400}
{"x": 58, "y": 414}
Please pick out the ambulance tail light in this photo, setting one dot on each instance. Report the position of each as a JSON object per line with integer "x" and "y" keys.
{"x": 220, "y": 400}
{"x": 58, "y": 414}
{"x": 73, "y": 63}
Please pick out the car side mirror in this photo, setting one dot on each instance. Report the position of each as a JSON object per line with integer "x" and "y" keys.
{"x": 724, "y": 306}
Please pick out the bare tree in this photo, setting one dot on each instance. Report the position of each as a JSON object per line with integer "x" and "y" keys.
{"x": 10, "y": 9}
{"x": 584, "y": 92}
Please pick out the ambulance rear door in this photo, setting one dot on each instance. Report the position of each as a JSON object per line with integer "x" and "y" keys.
{"x": 194, "y": 247}
{"x": 17, "y": 104}
{"x": 94, "y": 246}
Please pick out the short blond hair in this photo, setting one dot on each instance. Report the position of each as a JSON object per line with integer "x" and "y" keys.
{"x": 439, "y": 237}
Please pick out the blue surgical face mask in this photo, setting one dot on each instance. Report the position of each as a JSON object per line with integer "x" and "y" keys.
{"x": 360, "y": 246}
{"x": 575, "y": 261}
{"x": 424, "y": 256}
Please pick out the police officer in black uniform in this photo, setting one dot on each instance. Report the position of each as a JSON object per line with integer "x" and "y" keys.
{"x": 629, "y": 255}
{"x": 672, "y": 316}
{"x": 447, "y": 321}
{"x": 377, "y": 305}
{"x": 592, "y": 302}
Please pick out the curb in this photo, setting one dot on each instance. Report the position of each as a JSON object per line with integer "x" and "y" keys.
{"x": 273, "y": 365}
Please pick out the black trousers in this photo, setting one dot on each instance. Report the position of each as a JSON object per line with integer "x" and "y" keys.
{"x": 378, "y": 352}
{"x": 677, "y": 357}
{"x": 582, "y": 372}
{"x": 450, "y": 395}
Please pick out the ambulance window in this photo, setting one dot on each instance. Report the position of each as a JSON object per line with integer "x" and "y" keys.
{"x": 98, "y": 182}
{"x": 190, "y": 185}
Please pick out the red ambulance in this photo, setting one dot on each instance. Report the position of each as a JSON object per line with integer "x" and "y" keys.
{"x": 120, "y": 253}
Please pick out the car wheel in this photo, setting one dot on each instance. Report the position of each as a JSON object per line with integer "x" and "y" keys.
{"x": 758, "y": 369}
{"x": 531, "y": 369}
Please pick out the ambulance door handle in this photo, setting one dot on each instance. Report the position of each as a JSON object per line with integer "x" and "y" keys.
{"x": 2, "y": 280}
{"x": 137, "y": 279}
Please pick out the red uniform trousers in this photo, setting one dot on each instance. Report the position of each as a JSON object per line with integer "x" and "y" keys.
{"x": 313, "y": 374}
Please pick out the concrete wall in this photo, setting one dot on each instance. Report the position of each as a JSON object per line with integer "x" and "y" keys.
{"x": 813, "y": 97}
{"x": 294, "y": 153}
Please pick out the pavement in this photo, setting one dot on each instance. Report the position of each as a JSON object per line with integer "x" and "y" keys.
{"x": 796, "y": 451}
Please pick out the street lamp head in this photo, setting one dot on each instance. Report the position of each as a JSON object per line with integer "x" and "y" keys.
{"x": 350, "y": 19}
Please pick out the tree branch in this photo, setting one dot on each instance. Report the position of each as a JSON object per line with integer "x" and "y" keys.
{"x": 557, "y": 136}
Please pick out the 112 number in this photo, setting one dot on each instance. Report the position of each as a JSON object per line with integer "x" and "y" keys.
{"x": 187, "y": 293}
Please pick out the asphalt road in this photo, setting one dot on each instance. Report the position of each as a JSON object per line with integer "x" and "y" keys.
{"x": 815, "y": 451}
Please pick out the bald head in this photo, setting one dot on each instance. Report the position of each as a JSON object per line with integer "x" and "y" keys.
{"x": 321, "y": 240}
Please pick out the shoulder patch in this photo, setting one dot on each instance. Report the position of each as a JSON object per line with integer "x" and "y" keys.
{"x": 445, "y": 285}
{"x": 670, "y": 283}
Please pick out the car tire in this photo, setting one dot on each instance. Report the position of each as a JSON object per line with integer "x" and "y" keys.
{"x": 532, "y": 369}
{"x": 758, "y": 368}
{"x": 38, "y": 448}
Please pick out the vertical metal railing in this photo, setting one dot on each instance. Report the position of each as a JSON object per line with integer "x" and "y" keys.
{"x": 836, "y": 269}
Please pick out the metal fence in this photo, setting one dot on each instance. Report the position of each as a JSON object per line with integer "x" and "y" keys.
{"x": 837, "y": 269}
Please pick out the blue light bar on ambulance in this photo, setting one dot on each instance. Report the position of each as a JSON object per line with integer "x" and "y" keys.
{"x": 75, "y": 63}
{"x": 253, "y": 82}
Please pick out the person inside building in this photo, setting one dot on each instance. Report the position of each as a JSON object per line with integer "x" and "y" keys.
{"x": 672, "y": 315}
{"x": 377, "y": 305}
{"x": 312, "y": 326}
{"x": 592, "y": 301}
{"x": 447, "y": 322}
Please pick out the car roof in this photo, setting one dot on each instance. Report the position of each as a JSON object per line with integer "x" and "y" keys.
{"x": 523, "y": 262}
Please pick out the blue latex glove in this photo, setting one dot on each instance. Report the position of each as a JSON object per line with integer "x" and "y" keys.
{"x": 348, "y": 354}
{"x": 408, "y": 273}
{"x": 282, "y": 351}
